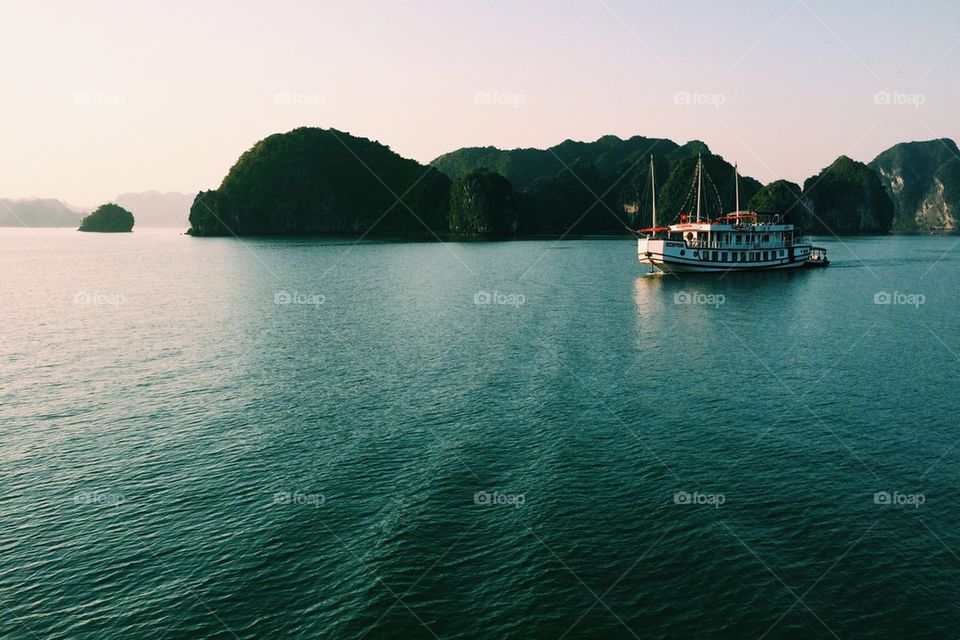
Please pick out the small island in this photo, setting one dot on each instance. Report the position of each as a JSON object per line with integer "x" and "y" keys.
{"x": 108, "y": 218}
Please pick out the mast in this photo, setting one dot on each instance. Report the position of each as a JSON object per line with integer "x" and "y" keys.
{"x": 653, "y": 194}
{"x": 736, "y": 182}
{"x": 699, "y": 183}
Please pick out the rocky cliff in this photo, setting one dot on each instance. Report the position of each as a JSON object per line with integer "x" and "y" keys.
{"x": 923, "y": 180}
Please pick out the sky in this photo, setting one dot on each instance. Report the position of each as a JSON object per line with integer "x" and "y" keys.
{"x": 101, "y": 98}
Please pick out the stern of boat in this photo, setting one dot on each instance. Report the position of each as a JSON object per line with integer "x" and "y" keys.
{"x": 646, "y": 247}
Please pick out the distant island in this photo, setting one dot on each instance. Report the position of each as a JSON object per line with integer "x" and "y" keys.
{"x": 156, "y": 209}
{"x": 313, "y": 181}
{"x": 108, "y": 218}
{"x": 37, "y": 212}
{"x": 151, "y": 208}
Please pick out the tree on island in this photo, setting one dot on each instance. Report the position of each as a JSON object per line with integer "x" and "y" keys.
{"x": 108, "y": 218}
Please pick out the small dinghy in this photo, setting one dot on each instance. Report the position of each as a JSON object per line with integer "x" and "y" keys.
{"x": 817, "y": 257}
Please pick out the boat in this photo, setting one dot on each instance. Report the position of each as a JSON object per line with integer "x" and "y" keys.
{"x": 737, "y": 241}
{"x": 818, "y": 257}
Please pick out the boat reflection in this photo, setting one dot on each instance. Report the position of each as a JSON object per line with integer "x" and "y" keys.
{"x": 666, "y": 303}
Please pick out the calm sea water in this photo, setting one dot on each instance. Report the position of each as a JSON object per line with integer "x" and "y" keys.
{"x": 282, "y": 438}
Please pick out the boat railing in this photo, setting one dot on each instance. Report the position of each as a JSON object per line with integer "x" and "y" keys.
{"x": 696, "y": 244}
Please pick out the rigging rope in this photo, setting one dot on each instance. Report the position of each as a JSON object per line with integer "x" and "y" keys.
{"x": 691, "y": 198}
{"x": 716, "y": 193}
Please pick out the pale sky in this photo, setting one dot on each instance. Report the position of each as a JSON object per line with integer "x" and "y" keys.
{"x": 100, "y": 98}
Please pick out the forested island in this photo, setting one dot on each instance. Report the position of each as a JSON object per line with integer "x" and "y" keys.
{"x": 313, "y": 181}
{"x": 108, "y": 218}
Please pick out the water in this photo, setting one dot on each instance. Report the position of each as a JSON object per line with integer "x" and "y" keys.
{"x": 183, "y": 457}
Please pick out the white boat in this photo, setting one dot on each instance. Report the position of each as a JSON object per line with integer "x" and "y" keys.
{"x": 737, "y": 241}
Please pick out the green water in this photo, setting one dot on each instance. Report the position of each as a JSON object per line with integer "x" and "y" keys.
{"x": 278, "y": 438}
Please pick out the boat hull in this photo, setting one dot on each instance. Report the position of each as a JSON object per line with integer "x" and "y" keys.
{"x": 669, "y": 266}
{"x": 676, "y": 257}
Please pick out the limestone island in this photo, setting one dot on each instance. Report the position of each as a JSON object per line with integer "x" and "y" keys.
{"x": 108, "y": 218}
{"x": 313, "y": 181}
